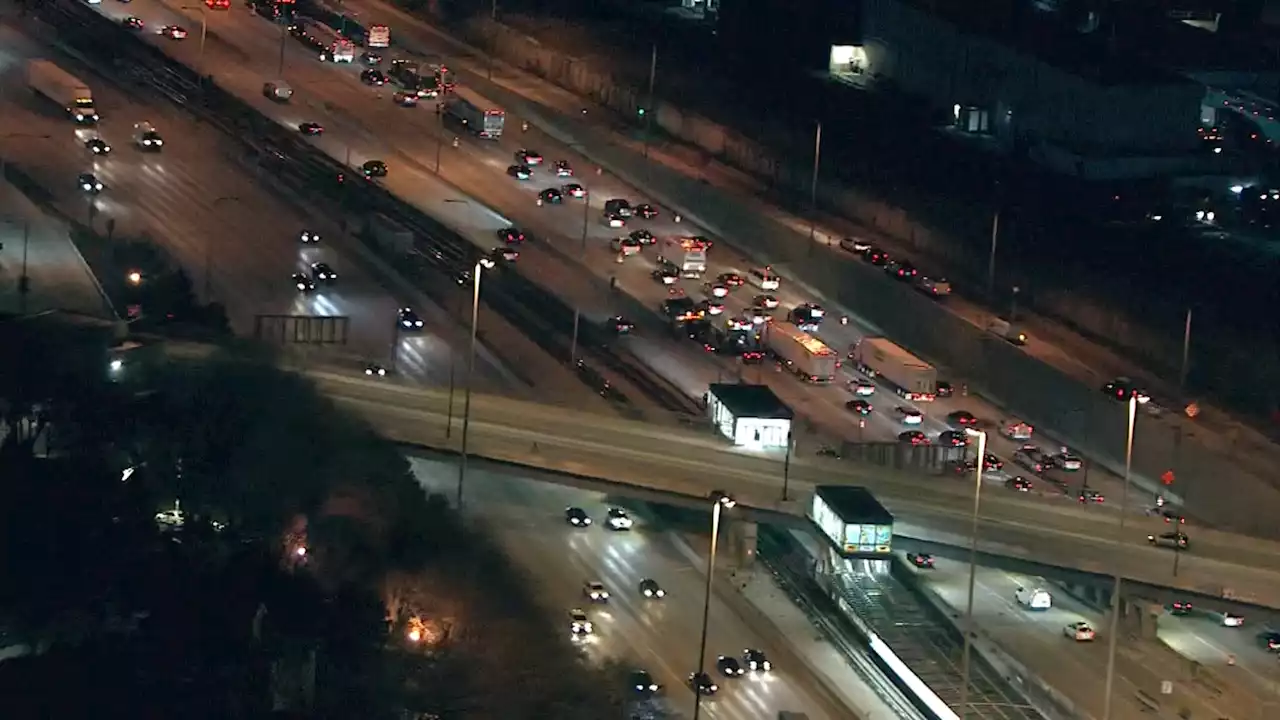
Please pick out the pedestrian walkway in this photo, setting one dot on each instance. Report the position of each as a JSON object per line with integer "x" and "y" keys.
{"x": 39, "y": 247}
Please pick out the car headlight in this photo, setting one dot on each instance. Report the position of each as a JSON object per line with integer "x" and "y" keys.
{"x": 417, "y": 323}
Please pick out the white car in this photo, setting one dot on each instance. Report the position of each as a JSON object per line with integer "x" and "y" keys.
{"x": 862, "y": 388}
{"x": 1232, "y": 620}
{"x": 1080, "y": 632}
{"x": 579, "y": 625}
{"x": 1033, "y": 598}
{"x": 909, "y": 416}
{"x": 619, "y": 519}
{"x": 595, "y": 591}
{"x": 627, "y": 246}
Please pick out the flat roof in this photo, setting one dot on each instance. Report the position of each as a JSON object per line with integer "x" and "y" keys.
{"x": 854, "y": 504}
{"x": 753, "y": 401}
{"x": 1095, "y": 56}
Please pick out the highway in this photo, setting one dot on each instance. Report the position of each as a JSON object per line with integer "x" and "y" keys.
{"x": 660, "y": 636}
{"x": 205, "y": 205}
{"x": 362, "y": 123}
{"x": 1076, "y": 670}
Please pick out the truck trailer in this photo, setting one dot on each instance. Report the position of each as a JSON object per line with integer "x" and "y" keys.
{"x": 60, "y": 86}
{"x": 481, "y": 123}
{"x": 803, "y": 354}
{"x": 912, "y": 378}
{"x": 853, "y": 520}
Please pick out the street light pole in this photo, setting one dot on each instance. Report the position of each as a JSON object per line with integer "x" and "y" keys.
{"x": 493, "y": 36}
{"x": 648, "y": 107}
{"x": 283, "y": 34}
{"x": 973, "y": 571}
{"x": 786, "y": 468}
{"x": 1115, "y": 588}
{"x": 991, "y": 260}
{"x": 813, "y": 185}
{"x": 719, "y": 501}
{"x": 471, "y": 368}
{"x": 586, "y": 220}
{"x": 1186, "y": 354}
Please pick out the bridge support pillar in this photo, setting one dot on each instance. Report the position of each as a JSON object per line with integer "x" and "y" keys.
{"x": 742, "y": 544}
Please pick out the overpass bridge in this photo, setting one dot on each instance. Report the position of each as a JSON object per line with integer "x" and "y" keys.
{"x": 1075, "y": 543}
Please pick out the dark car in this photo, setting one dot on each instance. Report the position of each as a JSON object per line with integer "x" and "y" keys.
{"x": 1181, "y": 607}
{"x": 528, "y": 157}
{"x": 901, "y": 270}
{"x": 511, "y": 235}
{"x": 307, "y": 237}
{"x": 729, "y": 666}
{"x": 618, "y": 206}
{"x": 520, "y": 172}
{"x": 963, "y": 418}
{"x": 943, "y": 389}
{"x": 642, "y": 682}
{"x": 408, "y": 319}
{"x": 1019, "y": 483}
{"x": 303, "y": 283}
{"x": 551, "y": 196}
{"x": 173, "y": 32}
{"x": 577, "y": 517}
{"x": 644, "y": 237}
{"x": 858, "y": 406}
{"x": 563, "y": 169}
{"x": 132, "y": 23}
{"x": 506, "y": 254}
{"x": 645, "y": 211}
{"x": 1122, "y": 388}
{"x": 311, "y": 128}
{"x": 730, "y": 280}
{"x": 702, "y": 684}
{"x": 876, "y": 256}
{"x": 1091, "y": 496}
{"x": 953, "y": 438}
{"x": 88, "y": 182}
{"x": 913, "y": 437}
{"x": 1270, "y": 641}
{"x": 321, "y": 272}
{"x": 620, "y": 325}
{"x": 574, "y": 190}
{"x": 651, "y": 589}
{"x": 1175, "y": 540}
{"x": 924, "y": 561}
{"x": 374, "y": 169}
{"x": 666, "y": 273}
{"x": 756, "y": 661}
{"x": 992, "y": 462}
{"x": 373, "y": 77}
{"x": 97, "y": 146}
{"x": 370, "y": 58}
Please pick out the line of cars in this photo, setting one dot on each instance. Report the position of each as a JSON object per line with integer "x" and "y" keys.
{"x": 582, "y": 629}
{"x": 931, "y": 285}
{"x": 145, "y": 137}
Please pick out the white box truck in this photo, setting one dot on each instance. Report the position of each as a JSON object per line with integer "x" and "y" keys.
{"x": 912, "y": 377}
{"x": 687, "y": 253}
{"x": 803, "y": 354}
{"x": 65, "y": 89}
{"x": 486, "y": 124}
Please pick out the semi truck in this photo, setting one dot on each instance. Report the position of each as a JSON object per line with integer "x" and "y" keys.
{"x": 60, "y": 86}
{"x": 803, "y": 354}
{"x": 481, "y": 123}
{"x": 912, "y": 378}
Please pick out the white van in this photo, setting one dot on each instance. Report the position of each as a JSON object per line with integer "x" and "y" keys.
{"x": 764, "y": 279}
{"x": 1033, "y": 598}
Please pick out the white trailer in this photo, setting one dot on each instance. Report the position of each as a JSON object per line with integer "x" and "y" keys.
{"x": 486, "y": 124}
{"x": 803, "y": 354}
{"x": 687, "y": 253}
{"x": 911, "y": 377}
{"x": 65, "y": 89}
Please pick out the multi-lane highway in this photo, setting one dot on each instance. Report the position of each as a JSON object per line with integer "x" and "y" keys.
{"x": 660, "y": 636}
{"x": 238, "y": 239}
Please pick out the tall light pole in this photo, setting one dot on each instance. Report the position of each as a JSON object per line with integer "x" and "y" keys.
{"x": 1115, "y": 587}
{"x": 204, "y": 32}
{"x": 973, "y": 569}
{"x": 991, "y": 260}
{"x": 719, "y": 502}
{"x": 1186, "y": 354}
{"x": 786, "y": 468}
{"x": 471, "y": 368}
{"x": 648, "y": 107}
{"x": 493, "y": 35}
{"x": 813, "y": 185}
{"x": 208, "y": 252}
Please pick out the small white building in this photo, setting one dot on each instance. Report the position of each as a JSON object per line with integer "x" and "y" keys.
{"x": 749, "y": 415}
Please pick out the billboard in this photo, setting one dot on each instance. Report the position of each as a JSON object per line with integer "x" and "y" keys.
{"x": 851, "y": 539}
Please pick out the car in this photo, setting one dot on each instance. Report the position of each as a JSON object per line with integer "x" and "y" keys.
{"x": 701, "y": 684}
{"x": 173, "y": 32}
{"x": 511, "y": 235}
{"x": 1181, "y": 607}
{"x": 1032, "y": 458}
{"x": 579, "y": 625}
{"x": 373, "y": 77}
{"x": 562, "y": 169}
{"x": 644, "y": 237}
{"x": 132, "y": 23}
{"x": 626, "y": 246}
{"x": 1122, "y": 388}
{"x": 405, "y": 98}
{"x": 908, "y": 415}
{"x": 303, "y": 283}
{"x": 595, "y": 592}
{"x": 1080, "y": 632}
{"x": 827, "y": 451}
{"x": 408, "y": 319}
{"x": 933, "y": 286}
{"x": 574, "y": 190}
{"x": 370, "y": 58}
{"x": 551, "y": 196}
{"x": 1033, "y": 598}
{"x": 1019, "y": 483}
{"x": 992, "y": 463}
{"x": 858, "y": 406}
{"x": 618, "y": 519}
{"x": 712, "y": 307}
{"x": 963, "y": 418}
{"x": 729, "y": 666}
{"x": 913, "y": 437}
{"x": 374, "y": 169}
{"x": 642, "y": 682}
{"x": 506, "y": 254}
{"x": 1066, "y": 461}
{"x": 1175, "y": 540}
{"x": 924, "y": 561}
{"x": 901, "y": 270}
{"x": 520, "y": 172}
{"x": 619, "y": 206}
{"x": 1091, "y": 496}
{"x": 89, "y": 183}
{"x": 965, "y": 467}
{"x": 97, "y": 146}
{"x": 1232, "y": 620}
{"x": 862, "y": 387}
{"x": 765, "y": 302}
{"x": 876, "y": 256}
{"x": 645, "y": 211}
{"x": 321, "y": 272}
{"x": 577, "y": 517}
{"x": 943, "y": 389}
{"x": 651, "y": 589}
{"x": 953, "y": 438}
{"x": 306, "y": 237}
{"x": 531, "y": 158}
{"x": 311, "y": 128}
{"x": 807, "y": 316}
{"x": 717, "y": 289}
{"x": 855, "y": 245}
{"x": 666, "y": 273}
{"x": 756, "y": 661}
{"x": 375, "y": 370}
{"x": 1270, "y": 640}
{"x": 620, "y": 326}
{"x": 730, "y": 280}
{"x": 614, "y": 220}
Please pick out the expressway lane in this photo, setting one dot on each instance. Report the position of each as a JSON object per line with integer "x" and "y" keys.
{"x": 198, "y": 200}
{"x": 1076, "y": 670}
{"x": 660, "y": 636}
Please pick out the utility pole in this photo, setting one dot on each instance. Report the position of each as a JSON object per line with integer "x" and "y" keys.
{"x": 648, "y": 105}
{"x": 813, "y": 186}
{"x": 1186, "y": 354}
{"x": 991, "y": 260}
{"x": 493, "y": 36}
